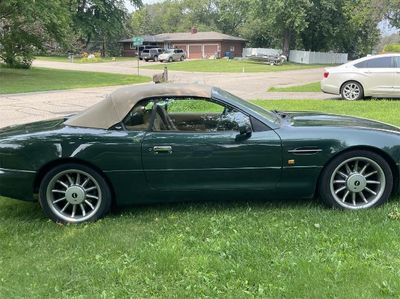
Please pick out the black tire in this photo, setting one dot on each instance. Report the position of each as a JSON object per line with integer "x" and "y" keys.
{"x": 155, "y": 58}
{"x": 346, "y": 93}
{"x": 182, "y": 58}
{"x": 70, "y": 179}
{"x": 146, "y": 60}
{"x": 357, "y": 181}
{"x": 170, "y": 59}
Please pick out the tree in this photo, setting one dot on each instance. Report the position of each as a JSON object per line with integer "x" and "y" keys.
{"x": 393, "y": 12}
{"x": 26, "y": 26}
{"x": 285, "y": 18}
{"x": 99, "y": 20}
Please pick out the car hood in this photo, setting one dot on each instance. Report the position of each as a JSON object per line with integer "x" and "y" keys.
{"x": 317, "y": 119}
{"x": 31, "y": 128}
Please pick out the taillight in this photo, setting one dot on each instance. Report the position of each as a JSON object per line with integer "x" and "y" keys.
{"x": 326, "y": 74}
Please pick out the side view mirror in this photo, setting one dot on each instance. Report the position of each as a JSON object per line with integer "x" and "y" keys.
{"x": 244, "y": 133}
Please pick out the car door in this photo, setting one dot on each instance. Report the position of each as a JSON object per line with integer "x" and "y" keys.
{"x": 379, "y": 75}
{"x": 197, "y": 145}
{"x": 396, "y": 87}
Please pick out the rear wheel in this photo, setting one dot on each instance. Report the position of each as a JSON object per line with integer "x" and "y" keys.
{"x": 356, "y": 180}
{"x": 182, "y": 58}
{"x": 352, "y": 91}
{"x": 170, "y": 59}
{"x": 155, "y": 58}
{"x": 74, "y": 193}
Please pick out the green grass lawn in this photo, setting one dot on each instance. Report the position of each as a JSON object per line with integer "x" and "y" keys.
{"x": 79, "y": 60}
{"x": 310, "y": 87}
{"x": 228, "y": 66}
{"x": 41, "y": 79}
{"x": 249, "y": 249}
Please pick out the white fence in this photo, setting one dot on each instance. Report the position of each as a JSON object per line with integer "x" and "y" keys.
{"x": 260, "y": 51}
{"x": 308, "y": 57}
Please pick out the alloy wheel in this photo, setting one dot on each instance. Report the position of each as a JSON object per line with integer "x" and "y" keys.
{"x": 74, "y": 195}
{"x": 351, "y": 91}
{"x": 358, "y": 182}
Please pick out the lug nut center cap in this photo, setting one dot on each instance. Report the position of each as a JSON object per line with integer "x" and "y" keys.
{"x": 356, "y": 183}
{"x": 75, "y": 195}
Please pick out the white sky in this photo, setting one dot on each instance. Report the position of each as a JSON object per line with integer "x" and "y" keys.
{"x": 131, "y": 8}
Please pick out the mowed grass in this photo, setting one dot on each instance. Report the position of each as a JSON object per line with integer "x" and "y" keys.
{"x": 80, "y": 60}
{"x": 309, "y": 87}
{"x": 42, "y": 79}
{"x": 238, "y": 249}
{"x": 229, "y": 66}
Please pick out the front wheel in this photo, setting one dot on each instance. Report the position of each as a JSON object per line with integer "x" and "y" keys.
{"x": 74, "y": 193}
{"x": 170, "y": 59}
{"x": 155, "y": 58}
{"x": 352, "y": 91}
{"x": 356, "y": 180}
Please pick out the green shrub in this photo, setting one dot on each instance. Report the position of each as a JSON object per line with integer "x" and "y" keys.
{"x": 392, "y": 48}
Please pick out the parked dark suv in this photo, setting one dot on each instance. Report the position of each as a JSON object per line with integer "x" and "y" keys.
{"x": 151, "y": 54}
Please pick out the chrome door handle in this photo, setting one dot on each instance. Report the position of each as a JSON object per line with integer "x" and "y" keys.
{"x": 158, "y": 149}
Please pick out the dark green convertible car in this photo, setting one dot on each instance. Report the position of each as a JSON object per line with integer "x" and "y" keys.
{"x": 168, "y": 142}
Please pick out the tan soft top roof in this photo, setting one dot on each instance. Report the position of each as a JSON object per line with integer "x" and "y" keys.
{"x": 116, "y": 106}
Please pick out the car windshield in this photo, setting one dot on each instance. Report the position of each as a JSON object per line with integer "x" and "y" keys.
{"x": 269, "y": 115}
{"x": 169, "y": 51}
{"x": 145, "y": 51}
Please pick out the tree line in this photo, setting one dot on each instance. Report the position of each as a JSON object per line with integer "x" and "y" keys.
{"x": 30, "y": 26}
{"x": 317, "y": 25}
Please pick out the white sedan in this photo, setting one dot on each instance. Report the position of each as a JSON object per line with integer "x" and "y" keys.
{"x": 377, "y": 76}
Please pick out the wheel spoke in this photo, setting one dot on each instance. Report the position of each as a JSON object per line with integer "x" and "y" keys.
{"x": 89, "y": 204}
{"x": 371, "y": 173}
{"x": 363, "y": 197}
{"x": 78, "y": 178}
{"x": 71, "y": 182}
{"x": 58, "y": 191}
{"x": 370, "y": 191}
{"x": 345, "y": 196}
{"x": 348, "y": 170}
{"x": 66, "y": 206}
{"x": 92, "y": 196}
{"x": 63, "y": 184}
{"x": 342, "y": 174}
{"x": 60, "y": 199}
{"x": 339, "y": 182}
{"x": 374, "y": 182}
{"x": 83, "y": 210}
{"x": 353, "y": 198}
{"x": 340, "y": 189}
{"x": 85, "y": 183}
{"x": 364, "y": 168}
{"x": 356, "y": 166}
{"x": 73, "y": 211}
{"x": 90, "y": 189}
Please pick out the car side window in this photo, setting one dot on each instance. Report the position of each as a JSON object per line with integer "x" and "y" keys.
{"x": 381, "y": 62}
{"x": 140, "y": 116}
{"x": 397, "y": 61}
{"x": 197, "y": 115}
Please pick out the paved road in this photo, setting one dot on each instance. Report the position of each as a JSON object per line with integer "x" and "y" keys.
{"x": 22, "y": 108}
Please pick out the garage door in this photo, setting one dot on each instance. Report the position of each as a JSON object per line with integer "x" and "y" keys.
{"x": 195, "y": 51}
{"x": 210, "y": 50}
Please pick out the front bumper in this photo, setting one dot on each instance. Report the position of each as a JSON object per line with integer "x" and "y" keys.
{"x": 17, "y": 184}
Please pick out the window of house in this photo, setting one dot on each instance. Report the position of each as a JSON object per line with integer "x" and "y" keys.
{"x": 232, "y": 49}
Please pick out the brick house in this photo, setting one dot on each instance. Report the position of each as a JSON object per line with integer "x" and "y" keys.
{"x": 197, "y": 45}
